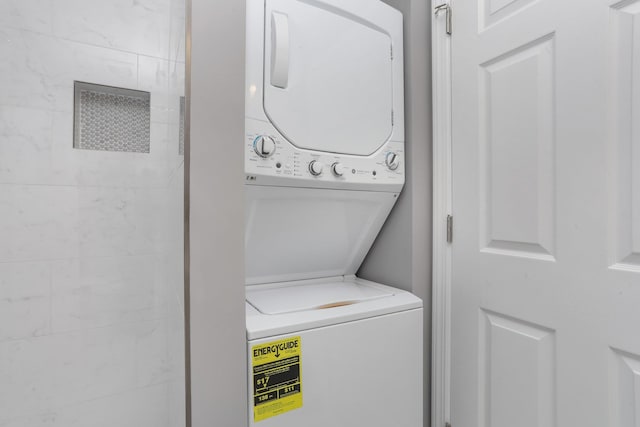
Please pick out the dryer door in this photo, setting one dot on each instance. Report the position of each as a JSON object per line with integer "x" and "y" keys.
{"x": 328, "y": 76}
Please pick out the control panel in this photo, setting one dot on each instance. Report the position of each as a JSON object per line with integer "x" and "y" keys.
{"x": 271, "y": 160}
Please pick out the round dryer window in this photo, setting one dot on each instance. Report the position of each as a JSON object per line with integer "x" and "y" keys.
{"x": 328, "y": 78}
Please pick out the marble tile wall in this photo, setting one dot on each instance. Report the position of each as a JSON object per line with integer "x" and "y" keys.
{"x": 91, "y": 288}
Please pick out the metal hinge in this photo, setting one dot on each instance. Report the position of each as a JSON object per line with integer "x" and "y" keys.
{"x": 447, "y": 8}
{"x": 449, "y": 229}
{"x": 391, "y": 51}
{"x": 392, "y": 118}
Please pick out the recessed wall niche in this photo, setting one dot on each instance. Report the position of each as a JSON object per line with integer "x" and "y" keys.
{"x": 109, "y": 118}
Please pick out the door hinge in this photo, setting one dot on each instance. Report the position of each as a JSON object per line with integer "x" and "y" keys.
{"x": 392, "y": 118}
{"x": 449, "y": 229}
{"x": 447, "y": 8}
{"x": 391, "y": 51}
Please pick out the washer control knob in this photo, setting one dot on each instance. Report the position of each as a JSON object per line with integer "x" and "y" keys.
{"x": 264, "y": 146}
{"x": 316, "y": 168}
{"x": 392, "y": 160}
{"x": 337, "y": 169}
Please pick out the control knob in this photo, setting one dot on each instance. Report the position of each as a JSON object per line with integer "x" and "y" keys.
{"x": 264, "y": 146}
{"x": 337, "y": 169}
{"x": 392, "y": 160}
{"x": 315, "y": 168}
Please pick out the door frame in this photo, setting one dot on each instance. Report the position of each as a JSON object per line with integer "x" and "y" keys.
{"x": 442, "y": 208}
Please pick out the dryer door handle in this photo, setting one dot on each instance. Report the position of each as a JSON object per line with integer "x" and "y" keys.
{"x": 279, "y": 50}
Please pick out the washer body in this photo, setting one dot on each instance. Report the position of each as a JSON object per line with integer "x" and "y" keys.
{"x": 324, "y": 166}
{"x": 361, "y": 364}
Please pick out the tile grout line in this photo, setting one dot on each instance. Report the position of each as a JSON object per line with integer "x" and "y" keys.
{"x": 55, "y": 37}
{"x": 152, "y": 319}
{"x": 49, "y": 411}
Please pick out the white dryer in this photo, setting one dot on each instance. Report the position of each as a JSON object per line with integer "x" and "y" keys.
{"x": 324, "y": 166}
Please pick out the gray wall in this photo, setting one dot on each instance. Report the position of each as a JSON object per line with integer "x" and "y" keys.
{"x": 401, "y": 255}
{"x": 216, "y": 172}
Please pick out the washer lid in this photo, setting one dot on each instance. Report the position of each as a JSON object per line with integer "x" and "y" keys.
{"x": 319, "y": 296}
{"x": 391, "y": 301}
{"x": 328, "y": 75}
{"x": 306, "y": 233}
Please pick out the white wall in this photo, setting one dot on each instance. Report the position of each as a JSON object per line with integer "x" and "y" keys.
{"x": 218, "y": 334}
{"x": 401, "y": 255}
{"x": 90, "y": 285}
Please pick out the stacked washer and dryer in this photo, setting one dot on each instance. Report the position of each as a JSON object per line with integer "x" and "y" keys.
{"x": 324, "y": 165}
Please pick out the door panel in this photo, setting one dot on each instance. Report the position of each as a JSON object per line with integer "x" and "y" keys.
{"x": 517, "y": 151}
{"x": 625, "y": 389}
{"x": 626, "y": 60}
{"x": 493, "y": 11}
{"x": 546, "y": 201}
{"x": 517, "y": 372}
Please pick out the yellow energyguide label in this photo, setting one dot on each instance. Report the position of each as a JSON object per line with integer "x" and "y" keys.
{"x": 277, "y": 381}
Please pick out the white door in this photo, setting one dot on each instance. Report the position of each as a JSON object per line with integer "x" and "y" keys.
{"x": 546, "y": 204}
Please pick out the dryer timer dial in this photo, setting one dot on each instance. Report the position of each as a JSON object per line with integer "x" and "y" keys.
{"x": 264, "y": 146}
{"x": 392, "y": 160}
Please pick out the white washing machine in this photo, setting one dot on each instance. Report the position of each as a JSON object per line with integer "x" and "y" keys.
{"x": 324, "y": 166}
